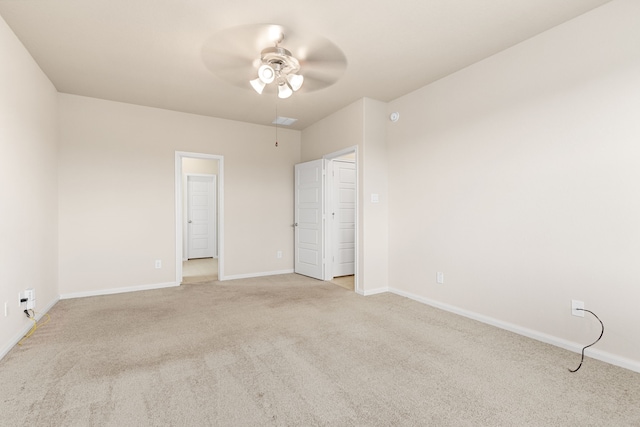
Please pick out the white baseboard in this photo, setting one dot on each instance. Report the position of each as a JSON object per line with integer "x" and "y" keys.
{"x": 118, "y": 290}
{"x": 16, "y": 339}
{"x": 252, "y": 275}
{"x": 594, "y": 353}
{"x": 376, "y": 291}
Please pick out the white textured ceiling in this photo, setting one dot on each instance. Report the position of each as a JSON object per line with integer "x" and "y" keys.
{"x": 149, "y": 52}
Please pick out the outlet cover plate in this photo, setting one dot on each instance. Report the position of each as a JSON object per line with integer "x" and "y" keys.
{"x": 440, "y": 277}
{"x": 30, "y": 295}
{"x": 575, "y": 304}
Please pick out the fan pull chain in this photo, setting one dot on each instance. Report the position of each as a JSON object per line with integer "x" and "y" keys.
{"x": 276, "y": 122}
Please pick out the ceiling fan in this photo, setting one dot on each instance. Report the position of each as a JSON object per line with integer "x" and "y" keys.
{"x": 255, "y": 56}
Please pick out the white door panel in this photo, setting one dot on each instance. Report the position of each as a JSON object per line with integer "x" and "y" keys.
{"x": 344, "y": 218}
{"x": 309, "y": 221}
{"x": 201, "y": 216}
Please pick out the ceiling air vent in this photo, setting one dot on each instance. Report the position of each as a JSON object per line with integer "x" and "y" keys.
{"x": 284, "y": 121}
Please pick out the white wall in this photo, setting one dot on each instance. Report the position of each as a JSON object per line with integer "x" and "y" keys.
{"x": 360, "y": 124}
{"x": 204, "y": 166}
{"x": 519, "y": 178}
{"x": 117, "y": 194}
{"x": 375, "y": 180}
{"x": 28, "y": 200}
{"x": 340, "y": 130}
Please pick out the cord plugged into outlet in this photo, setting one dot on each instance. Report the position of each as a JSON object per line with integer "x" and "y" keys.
{"x": 27, "y": 300}
{"x": 582, "y": 310}
{"x": 577, "y": 308}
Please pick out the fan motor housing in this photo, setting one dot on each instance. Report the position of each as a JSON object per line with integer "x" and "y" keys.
{"x": 280, "y": 59}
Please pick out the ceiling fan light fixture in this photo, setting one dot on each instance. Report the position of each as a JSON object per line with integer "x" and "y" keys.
{"x": 258, "y": 85}
{"x": 284, "y": 91}
{"x": 266, "y": 73}
{"x": 295, "y": 81}
{"x": 279, "y": 65}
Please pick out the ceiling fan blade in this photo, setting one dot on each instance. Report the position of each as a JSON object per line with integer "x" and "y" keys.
{"x": 333, "y": 68}
{"x": 245, "y": 40}
{"x": 321, "y": 62}
{"x": 312, "y": 84}
{"x": 325, "y": 74}
{"x": 218, "y": 60}
{"x": 319, "y": 49}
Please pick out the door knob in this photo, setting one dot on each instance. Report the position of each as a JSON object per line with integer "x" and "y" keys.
{"x": 189, "y": 221}
{"x": 295, "y": 224}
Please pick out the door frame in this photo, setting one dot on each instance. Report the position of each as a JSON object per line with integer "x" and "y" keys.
{"x": 185, "y": 208}
{"x": 179, "y": 155}
{"x": 328, "y": 267}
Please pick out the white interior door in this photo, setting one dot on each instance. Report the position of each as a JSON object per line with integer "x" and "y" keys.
{"x": 309, "y": 218}
{"x": 343, "y": 217}
{"x": 201, "y": 216}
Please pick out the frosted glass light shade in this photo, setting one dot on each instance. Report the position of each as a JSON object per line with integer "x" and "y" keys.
{"x": 258, "y": 85}
{"x": 266, "y": 74}
{"x": 284, "y": 91}
{"x": 295, "y": 80}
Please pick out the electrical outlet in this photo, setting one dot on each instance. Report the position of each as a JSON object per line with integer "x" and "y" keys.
{"x": 158, "y": 263}
{"x": 279, "y": 254}
{"x": 440, "y": 277}
{"x": 575, "y": 304}
{"x": 30, "y": 295}
{"x": 6, "y": 308}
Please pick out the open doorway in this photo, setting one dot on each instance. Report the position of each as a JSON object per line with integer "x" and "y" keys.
{"x": 199, "y": 217}
{"x": 326, "y": 218}
{"x": 342, "y": 206}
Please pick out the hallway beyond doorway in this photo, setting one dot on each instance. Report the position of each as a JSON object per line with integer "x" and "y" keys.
{"x": 200, "y": 270}
{"x": 347, "y": 282}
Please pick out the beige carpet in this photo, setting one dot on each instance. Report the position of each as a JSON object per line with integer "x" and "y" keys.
{"x": 292, "y": 351}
